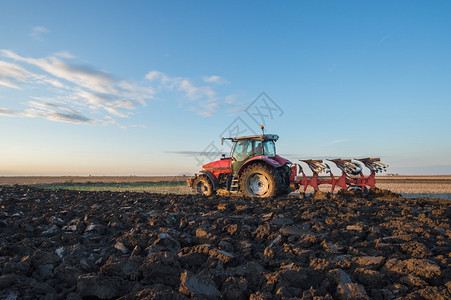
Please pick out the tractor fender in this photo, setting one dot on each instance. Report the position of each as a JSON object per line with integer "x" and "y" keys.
{"x": 265, "y": 159}
{"x": 212, "y": 178}
{"x": 282, "y": 161}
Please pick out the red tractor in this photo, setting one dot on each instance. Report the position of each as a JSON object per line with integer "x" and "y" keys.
{"x": 255, "y": 170}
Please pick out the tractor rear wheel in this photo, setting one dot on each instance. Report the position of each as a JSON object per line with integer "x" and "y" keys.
{"x": 283, "y": 180}
{"x": 202, "y": 186}
{"x": 258, "y": 181}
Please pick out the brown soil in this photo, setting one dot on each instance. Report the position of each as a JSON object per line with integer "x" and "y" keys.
{"x": 104, "y": 245}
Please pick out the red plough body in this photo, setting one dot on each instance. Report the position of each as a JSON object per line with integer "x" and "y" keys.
{"x": 351, "y": 178}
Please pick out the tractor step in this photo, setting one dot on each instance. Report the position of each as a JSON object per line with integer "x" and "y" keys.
{"x": 234, "y": 185}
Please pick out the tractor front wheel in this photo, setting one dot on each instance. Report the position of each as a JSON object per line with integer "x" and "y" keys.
{"x": 258, "y": 181}
{"x": 202, "y": 186}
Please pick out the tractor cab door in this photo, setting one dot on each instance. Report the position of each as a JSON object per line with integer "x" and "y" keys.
{"x": 243, "y": 151}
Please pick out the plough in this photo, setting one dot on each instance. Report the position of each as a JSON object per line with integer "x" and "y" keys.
{"x": 352, "y": 177}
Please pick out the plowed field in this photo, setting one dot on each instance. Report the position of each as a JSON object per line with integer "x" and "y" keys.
{"x": 123, "y": 245}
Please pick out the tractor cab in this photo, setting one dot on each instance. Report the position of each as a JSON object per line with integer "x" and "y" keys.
{"x": 248, "y": 147}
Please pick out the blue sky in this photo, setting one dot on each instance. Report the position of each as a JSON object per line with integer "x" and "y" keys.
{"x": 148, "y": 87}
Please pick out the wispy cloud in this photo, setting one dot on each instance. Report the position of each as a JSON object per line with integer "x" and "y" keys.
{"x": 204, "y": 99}
{"x": 13, "y": 75}
{"x": 233, "y": 104}
{"x": 181, "y": 84}
{"x": 78, "y": 90}
{"x": 337, "y": 141}
{"x": 37, "y": 32}
{"x": 64, "y": 54}
{"x": 386, "y": 37}
{"x": 209, "y": 109}
{"x": 83, "y": 76}
{"x": 81, "y": 93}
{"x": 50, "y": 112}
{"x": 215, "y": 79}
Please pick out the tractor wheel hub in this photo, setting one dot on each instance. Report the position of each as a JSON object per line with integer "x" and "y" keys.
{"x": 258, "y": 184}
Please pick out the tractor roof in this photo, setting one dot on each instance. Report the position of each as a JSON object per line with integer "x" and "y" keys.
{"x": 262, "y": 137}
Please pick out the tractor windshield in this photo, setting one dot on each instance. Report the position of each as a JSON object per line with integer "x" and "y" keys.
{"x": 242, "y": 150}
{"x": 269, "y": 148}
{"x": 249, "y": 148}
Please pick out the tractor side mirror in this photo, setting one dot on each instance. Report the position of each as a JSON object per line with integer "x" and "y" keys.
{"x": 222, "y": 141}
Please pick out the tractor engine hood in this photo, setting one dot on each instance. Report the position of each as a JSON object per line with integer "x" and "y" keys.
{"x": 221, "y": 164}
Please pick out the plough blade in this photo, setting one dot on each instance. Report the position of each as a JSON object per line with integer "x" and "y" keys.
{"x": 317, "y": 166}
{"x": 374, "y": 164}
{"x": 347, "y": 167}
